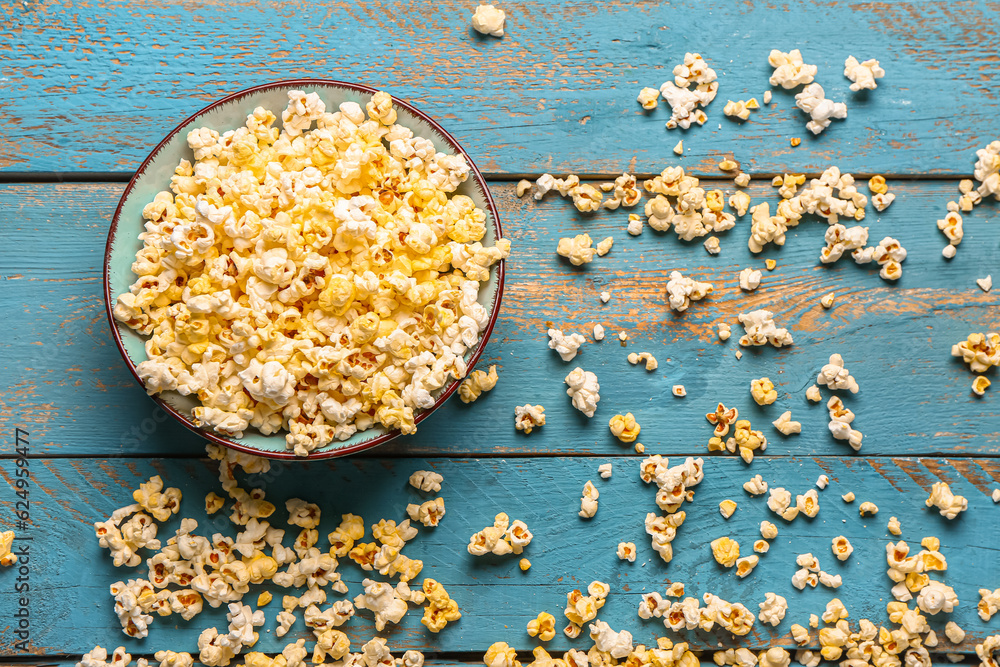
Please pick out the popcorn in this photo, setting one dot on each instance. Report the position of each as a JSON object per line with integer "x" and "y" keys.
{"x": 868, "y": 509}
{"x": 980, "y": 385}
{"x": 755, "y": 486}
{"x": 522, "y": 188}
{"x": 727, "y": 508}
{"x": 159, "y": 502}
{"x": 740, "y": 201}
{"x": 648, "y": 98}
{"x": 7, "y": 558}
{"x": 785, "y": 425}
{"x": 604, "y": 470}
{"x": 565, "y": 345}
{"x": 840, "y": 423}
{"x": 789, "y": 70}
{"x": 422, "y": 480}
{"x": 674, "y": 487}
{"x": 761, "y": 546}
{"x": 883, "y": 201}
{"x": 979, "y": 351}
{"x": 681, "y": 291}
{"x": 936, "y": 597}
{"x": 624, "y": 427}
{"x": 618, "y": 644}
{"x": 779, "y": 501}
{"x": 712, "y": 245}
{"x": 527, "y": 417}
{"x": 598, "y": 332}
{"x": 524, "y": 564}
{"x": 745, "y": 565}
{"x": 724, "y": 331}
{"x": 586, "y": 198}
{"x": 499, "y": 654}
{"x": 808, "y": 503}
{"x": 772, "y": 609}
{"x": 604, "y": 247}
{"x": 987, "y": 170}
{"x": 488, "y": 20}
{"x": 863, "y": 74}
{"x": 725, "y": 551}
{"x": 761, "y": 330}
{"x": 889, "y": 254}
{"x": 954, "y": 633}
{"x": 685, "y": 99}
{"x": 581, "y": 608}
{"x": 804, "y": 577}
{"x": 813, "y": 394}
{"x": 383, "y": 601}
{"x": 577, "y": 250}
{"x": 429, "y": 513}
{"x": 440, "y": 609}
{"x": 583, "y": 390}
{"x": 502, "y": 538}
{"x": 678, "y": 148}
{"x": 749, "y": 279}
{"x": 605, "y": 297}
{"x": 762, "y": 391}
{"x": 848, "y": 497}
{"x": 543, "y": 627}
{"x": 949, "y": 504}
{"x": 588, "y": 501}
{"x": 648, "y": 358}
{"x": 478, "y": 382}
{"x": 736, "y": 109}
{"x": 840, "y": 239}
{"x": 827, "y": 300}
{"x": 625, "y": 193}
{"x": 812, "y": 100}
{"x": 842, "y": 548}
{"x": 307, "y": 291}
{"x": 985, "y": 284}
{"x": 834, "y": 376}
{"x": 626, "y": 551}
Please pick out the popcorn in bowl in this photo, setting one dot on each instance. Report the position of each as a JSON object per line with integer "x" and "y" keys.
{"x": 319, "y": 280}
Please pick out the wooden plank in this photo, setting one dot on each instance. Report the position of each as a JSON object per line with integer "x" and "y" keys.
{"x": 71, "y": 611}
{"x": 95, "y": 86}
{"x": 69, "y": 387}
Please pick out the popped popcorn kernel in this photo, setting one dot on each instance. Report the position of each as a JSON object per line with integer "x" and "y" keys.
{"x": 522, "y": 188}
{"x": 789, "y": 70}
{"x": 868, "y": 509}
{"x": 821, "y": 111}
{"x": 648, "y": 358}
{"x": 488, "y": 20}
{"x": 648, "y": 98}
{"x": 478, "y": 382}
{"x": 842, "y": 548}
{"x": 422, "y": 480}
{"x": 727, "y": 508}
{"x": 604, "y": 470}
{"x": 624, "y": 427}
{"x": 827, "y": 300}
{"x": 679, "y": 148}
{"x": 949, "y": 504}
{"x": 785, "y": 425}
{"x": 626, "y": 551}
{"x": 813, "y": 394}
{"x": 681, "y": 291}
{"x": 604, "y": 247}
{"x": 763, "y": 392}
{"x": 565, "y": 345}
{"x": 577, "y": 249}
{"x": 499, "y": 654}
{"x": 712, "y": 245}
{"x": 583, "y": 390}
{"x": 695, "y": 85}
{"x": 7, "y": 558}
{"x": 985, "y": 284}
{"x": 980, "y": 385}
{"x": 761, "y": 546}
{"x": 772, "y": 609}
{"x": 213, "y": 502}
{"x": 770, "y": 264}
{"x": 528, "y": 417}
{"x": 745, "y": 565}
{"x": 863, "y": 74}
{"x": 725, "y": 551}
{"x": 264, "y": 598}
{"x": 543, "y": 627}
{"x": 848, "y": 497}
{"x": 678, "y": 390}
{"x": 724, "y": 331}
{"x": 836, "y": 377}
{"x": 749, "y": 279}
{"x": 588, "y": 500}
{"x": 760, "y": 329}
{"x": 756, "y": 486}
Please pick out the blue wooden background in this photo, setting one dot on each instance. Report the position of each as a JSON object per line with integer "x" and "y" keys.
{"x": 87, "y": 89}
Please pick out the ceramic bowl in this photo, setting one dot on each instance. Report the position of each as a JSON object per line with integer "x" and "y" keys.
{"x": 153, "y": 176}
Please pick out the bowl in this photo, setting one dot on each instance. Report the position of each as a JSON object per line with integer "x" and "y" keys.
{"x": 153, "y": 176}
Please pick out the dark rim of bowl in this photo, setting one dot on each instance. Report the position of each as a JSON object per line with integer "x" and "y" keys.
{"x": 322, "y": 453}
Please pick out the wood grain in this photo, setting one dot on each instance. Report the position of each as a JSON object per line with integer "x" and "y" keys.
{"x": 93, "y": 87}
{"x": 69, "y": 387}
{"x": 71, "y": 609}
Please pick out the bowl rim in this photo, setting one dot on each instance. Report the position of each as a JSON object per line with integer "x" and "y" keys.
{"x": 322, "y": 453}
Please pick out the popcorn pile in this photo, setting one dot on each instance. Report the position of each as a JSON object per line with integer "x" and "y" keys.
{"x": 675, "y": 485}
{"x": 318, "y": 280}
{"x": 987, "y": 172}
{"x": 190, "y": 570}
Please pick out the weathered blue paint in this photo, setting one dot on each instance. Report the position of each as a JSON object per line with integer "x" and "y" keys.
{"x": 95, "y": 86}
{"x": 72, "y": 609}
{"x": 69, "y": 385}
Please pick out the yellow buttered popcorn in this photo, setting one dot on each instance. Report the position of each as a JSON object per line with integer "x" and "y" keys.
{"x": 725, "y": 551}
{"x": 319, "y": 279}
{"x": 624, "y": 427}
{"x": 478, "y": 382}
{"x": 543, "y": 627}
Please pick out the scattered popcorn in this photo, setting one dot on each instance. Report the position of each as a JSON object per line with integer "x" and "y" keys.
{"x": 543, "y": 627}
{"x": 848, "y": 497}
{"x": 768, "y": 530}
{"x": 785, "y": 425}
{"x": 566, "y": 346}
{"x": 749, "y": 279}
{"x": 528, "y": 417}
{"x": 675, "y": 486}
{"x": 724, "y": 331}
{"x": 842, "y": 548}
{"x": 577, "y": 250}
{"x": 742, "y": 179}
{"x": 772, "y": 609}
{"x": 803, "y": 578}
{"x": 606, "y": 640}
{"x": 979, "y": 351}
{"x": 840, "y": 423}
{"x": 951, "y": 225}
{"x": 812, "y": 100}
{"x": 740, "y": 201}
{"x": 808, "y": 503}
{"x": 681, "y": 291}
{"x": 605, "y": 297}
{"x": 882, "y": 201}
{"x": 726, "y": 508}
{"x": 721, "y": 419}
{"x": 679, "y": 148}
{"x": 761, "y": 546}
{"x": 736, "y": 109}
{"x": 634, "y": 227}
{"x": 755, "y": 486}
{"x": 488, "y": 20}
{"x": 383, "y": 601}
{"x": 588, "y": 500}
{"x": 985, "y": 284}
{"x": 789, "y": 71}
{"x": 478, "y": 382}
{"x": 524, "y": 564}
{"x": 863, "y": 74}
{"x": 937, "y": 597}
{"x": 626, "y": 551}
{"x": 207, "y": 235}
{"x": 840, "y": 239}
{"x": 822, "y": 481}
{"x": 950, "y": 505}
{"x": 685, "y": 99}
{"x": 761, "y": 330}
{"x": 834, "y": 376}
{"x": 868, "y": 509}
{"x": 725, "y": 551}
{"x": 813, "y": 394}
{"x": 712, "y": 245}
{"x": 583, "y": 390}
{"x": 987, "y": 171}
{"x": 502, "y": 538}
{"x": 745, "y": 565}
{"x": 889, "y": 254}
{"x": 427, "y": 481}
{"x": 624, "y": 427}
{"x": 954, "y": 633}
{"x": 440, "y": 609}
{"x": 598, "y": 332}
{"x": 779, "y": 501}
{"x": 679, "y": 391}
{"x": 646, "y": 357}
{"x": 827, "y": 300}
{"x": 213, "y": 502}
{"x": 522, "y": 188}
{"x": 648, "y": 98}
{"x": 429, "y": 513}
{"x": 763, "y": 392}
{"x": 604, "y": 247}
{"x": 604, "y": 470}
